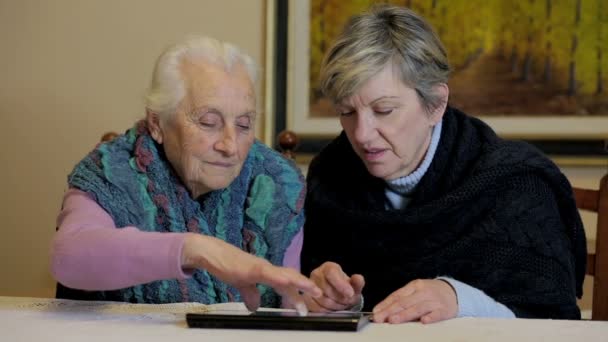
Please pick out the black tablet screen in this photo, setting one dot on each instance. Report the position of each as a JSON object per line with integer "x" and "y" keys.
{"x": 278, "y": 320}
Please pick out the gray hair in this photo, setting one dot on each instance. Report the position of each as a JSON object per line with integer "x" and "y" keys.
{"x": 386, "y": 34}
{"x": 167, "y": 88}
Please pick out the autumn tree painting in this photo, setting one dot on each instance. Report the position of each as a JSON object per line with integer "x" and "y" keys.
{"x": 508, "y": 57}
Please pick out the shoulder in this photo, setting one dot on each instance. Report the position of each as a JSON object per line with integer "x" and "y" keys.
{"x": 275, "y": 177}
{"x": 492, "y": 151}
{"x": 267, "y": 161}
{"x": 334, "y": 159}
{"x": 519, "y": 155}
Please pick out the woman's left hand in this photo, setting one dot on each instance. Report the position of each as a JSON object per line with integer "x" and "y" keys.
{"x": 427, "y": 300}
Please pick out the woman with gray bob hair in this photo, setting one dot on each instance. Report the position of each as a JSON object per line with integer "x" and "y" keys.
{"x": 356, "y": 57}
{"x": 422, "y": 210}
{"x": 186, "y": 205}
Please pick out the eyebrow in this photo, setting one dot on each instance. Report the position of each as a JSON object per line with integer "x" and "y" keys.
{"x": 251, "y": 113}
{"x": 374, "y": 101}
{"x": 384, "y": 98}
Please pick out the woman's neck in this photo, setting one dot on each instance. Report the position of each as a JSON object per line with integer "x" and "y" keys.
{"x": 406, "y": 184}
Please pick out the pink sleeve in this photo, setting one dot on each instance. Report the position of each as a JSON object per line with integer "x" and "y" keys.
{"x": 89, "y": 252}
{"x": 292, "y": 253}
{"x": 292, "y": 259}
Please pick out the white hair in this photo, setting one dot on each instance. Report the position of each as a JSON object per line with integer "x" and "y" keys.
{"x": 167, "y": 88}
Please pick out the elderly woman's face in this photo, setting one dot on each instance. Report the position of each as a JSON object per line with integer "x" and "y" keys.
{"x": 387, "y": 125}
{"x": 208, "y": 139}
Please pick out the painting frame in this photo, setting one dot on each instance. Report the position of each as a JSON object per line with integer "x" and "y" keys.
{"x": 568, "y": 138}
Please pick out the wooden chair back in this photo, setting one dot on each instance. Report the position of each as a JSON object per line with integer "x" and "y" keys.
{"x": 288, "y": 142}
{"x": 597, "y": 260}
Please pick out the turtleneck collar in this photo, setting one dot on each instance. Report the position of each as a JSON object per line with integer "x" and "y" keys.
{"x": 405, "y": 185}
{"x": 398, "y": 190}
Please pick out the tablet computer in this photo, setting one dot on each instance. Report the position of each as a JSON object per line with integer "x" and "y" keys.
{"x": 278, "y": 320}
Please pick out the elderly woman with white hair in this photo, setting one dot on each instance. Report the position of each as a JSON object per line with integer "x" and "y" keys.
{"x": 186, "y": 205}
{"x": 421, "y": 210}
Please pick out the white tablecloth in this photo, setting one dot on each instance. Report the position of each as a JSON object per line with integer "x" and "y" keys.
{"x": 49, "y": 320}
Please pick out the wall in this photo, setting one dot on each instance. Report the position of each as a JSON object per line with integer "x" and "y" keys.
{"x": 71, "y": 70}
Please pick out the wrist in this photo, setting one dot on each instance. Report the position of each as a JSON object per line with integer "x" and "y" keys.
{"x": 191, "y": 258}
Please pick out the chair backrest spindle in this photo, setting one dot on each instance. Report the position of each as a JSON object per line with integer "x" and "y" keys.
{"x": 597, "y": 262}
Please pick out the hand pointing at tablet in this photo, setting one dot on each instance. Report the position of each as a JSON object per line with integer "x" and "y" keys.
{"x": 340, "y": 291}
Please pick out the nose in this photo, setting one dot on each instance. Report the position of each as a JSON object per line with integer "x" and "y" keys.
{"x": 227, "y": 142}
{"x": 363, "y": 128}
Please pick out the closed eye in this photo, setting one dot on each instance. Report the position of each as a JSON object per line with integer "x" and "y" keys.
{"x": 383, "y": 112}
{"x": 244, "y": 122}
{"x": 210, "y": 119}
{"x": 208, "y": 124}
{"x": 350, "y": 113}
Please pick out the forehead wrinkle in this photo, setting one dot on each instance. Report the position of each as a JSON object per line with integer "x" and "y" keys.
{"x": 204, "y": 90}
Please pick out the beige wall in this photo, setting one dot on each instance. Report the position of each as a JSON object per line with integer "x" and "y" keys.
{"x": 69, "y": 71}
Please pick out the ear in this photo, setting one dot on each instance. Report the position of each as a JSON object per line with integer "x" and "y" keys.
{"x": 153, "y": 121}
{"x": 443, "y": 92}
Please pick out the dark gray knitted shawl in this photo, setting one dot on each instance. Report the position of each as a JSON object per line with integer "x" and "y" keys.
{"x": 495, "y": 214}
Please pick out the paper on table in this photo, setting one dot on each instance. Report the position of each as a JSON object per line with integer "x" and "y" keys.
{"x": 95, "y": 310}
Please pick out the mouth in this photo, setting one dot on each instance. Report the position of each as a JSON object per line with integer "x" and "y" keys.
{"x": 373, "y": 154}
{"x": 222, "y": 164}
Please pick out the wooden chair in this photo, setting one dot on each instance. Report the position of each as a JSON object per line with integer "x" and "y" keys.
{"x": 107, "y": 136}
{"x": 597, "y": 261}
{"x": 288, "y": 142}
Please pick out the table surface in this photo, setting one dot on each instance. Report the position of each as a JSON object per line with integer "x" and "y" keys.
{"x": 43, "y": 319}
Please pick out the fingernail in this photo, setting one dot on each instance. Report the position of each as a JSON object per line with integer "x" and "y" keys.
{"x": 301, "y": 309}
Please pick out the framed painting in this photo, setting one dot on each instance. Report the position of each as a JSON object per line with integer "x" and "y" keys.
{"x": 539, "y": 74}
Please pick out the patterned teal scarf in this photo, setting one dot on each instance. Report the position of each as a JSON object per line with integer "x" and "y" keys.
{"x": 260, "y": 212}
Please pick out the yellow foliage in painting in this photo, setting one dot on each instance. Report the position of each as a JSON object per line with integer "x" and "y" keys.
{"x": 563, "y": 42}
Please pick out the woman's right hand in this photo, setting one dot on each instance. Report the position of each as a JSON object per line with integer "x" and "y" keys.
{"x": 244, "y": 271}
{"x": 340, "y": 292}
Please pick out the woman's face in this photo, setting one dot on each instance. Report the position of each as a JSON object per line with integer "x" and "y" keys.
{"x": 387, "y": 125}
{"x": 207, "y": 140}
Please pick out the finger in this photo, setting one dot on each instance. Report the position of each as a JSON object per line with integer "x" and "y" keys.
{"x": 340, "y": 281}
{"x": 328, "y": 304}
{"x": 382, "y": 316}
{"x": 357, "y": 282}
{"x": 405, "y": 291}
{"x": 285, "y": 280}
{"x": 303, "y": 284}
{"x": 312, "y": 305}
{"x": 293, "y": 299}
{"x": 399, "y": 302}
{"x": 413, "y": 312}
{"x": 251, "y": 297}
{"x": 432, "y": 317}
{"x": 301, "y": 308}
{"x": 322, "y": 283}
{"x": 340, "y": 284}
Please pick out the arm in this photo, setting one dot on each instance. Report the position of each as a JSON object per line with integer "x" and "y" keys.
{"x": 432, "y": 300}
{"x": 90, "y": 253}
{"x": 475, "y": 303}
{"x": 291, "y": 258}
